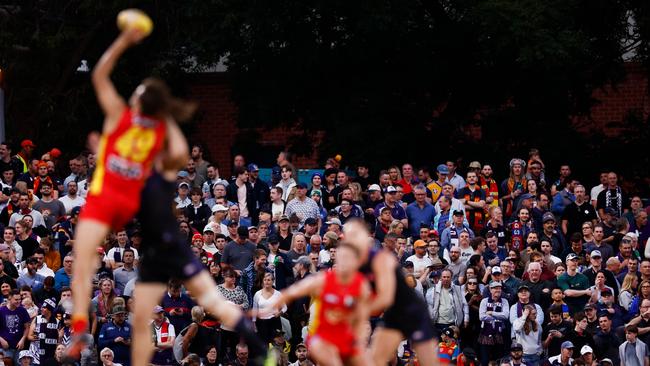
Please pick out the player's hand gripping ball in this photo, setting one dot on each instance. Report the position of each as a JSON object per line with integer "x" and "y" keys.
{"x": 134, "y": 19}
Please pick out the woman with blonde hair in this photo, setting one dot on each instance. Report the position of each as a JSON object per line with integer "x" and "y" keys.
{"x": 628, "y": 288}
{"x": 356, "y": 192}
{"x": 197, "y": 338}
{"x": 642, "y": 293}
{"x": 396, "y": 227}
{"x": 266, "y": 324}
{"x": 330, "y": 240}
{"x": 52, "y": 256}
{"x": 103, "y": 302}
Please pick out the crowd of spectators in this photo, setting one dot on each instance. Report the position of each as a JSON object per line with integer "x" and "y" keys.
{"x": 532, "y": 269}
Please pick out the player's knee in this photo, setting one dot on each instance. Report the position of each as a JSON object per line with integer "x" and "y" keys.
{"x": 212, "y": 300}
{"x": 209, "y": 299}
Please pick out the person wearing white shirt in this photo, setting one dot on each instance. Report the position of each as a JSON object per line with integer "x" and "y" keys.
{"x": 278, "y": 205}
{"x": 107, "y": 355}
{"x": 264, "y": 299}
{"x": 10, "y": 239}
{"x": 83, "y": 186}
{"x": 208, "y": 241}
{"x": 546, "y": 248}
{"x": 4, "y": 188}
{"x": 456, "y": 204}
{"x": 72, "y": 199}
{"x": 466, "y": 251}
{"x": 75, "y": 167}
{"x": 599, "y": 188}
{"x": 183, "y": 200}
{"x": 114, "y": 256}
{"x": 456, "y": 180}
{"x": 23, "y": 204}
{"x": 528, "y": 332}
{"x": 301, "y": 356}
{"x": 41, "y": 268}
{"x": 420, "y": 259}
{"x": 215, "y": 222}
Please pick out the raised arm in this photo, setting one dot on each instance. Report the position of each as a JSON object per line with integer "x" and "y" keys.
{"x": 109, "y": 100}
{"x": 310, "y": 286}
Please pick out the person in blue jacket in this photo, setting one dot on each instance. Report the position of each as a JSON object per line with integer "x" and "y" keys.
{"x": 116, "y": 335}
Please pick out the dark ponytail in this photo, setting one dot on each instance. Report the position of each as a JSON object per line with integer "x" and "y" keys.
{"x": 157, "y": 101}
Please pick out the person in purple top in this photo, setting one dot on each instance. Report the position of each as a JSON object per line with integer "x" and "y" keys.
{"x": 14, "y": 325}
{"x": 390, "y": 201}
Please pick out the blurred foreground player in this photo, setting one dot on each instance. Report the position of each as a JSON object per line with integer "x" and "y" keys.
{"x": 336, "y": 333}
{"x": 133, "y": 135}
{"x": 405, "y": 313}
{"x": 166, "y": 255}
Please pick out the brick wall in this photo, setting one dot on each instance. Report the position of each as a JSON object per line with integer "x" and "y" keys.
{"x": 217, "y": 128}
{"x": 217, "y": 125}
{"x": 615, "y": 103}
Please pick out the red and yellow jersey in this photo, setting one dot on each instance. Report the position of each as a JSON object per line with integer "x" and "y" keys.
{"x": 38, "y": 181}
{"x": 334, "y": 307}
{"x": 491, "y": 189}
{"x": 436, "y": 191}
{"x": 448, "y": 352}
{"x": 125, "y": 156}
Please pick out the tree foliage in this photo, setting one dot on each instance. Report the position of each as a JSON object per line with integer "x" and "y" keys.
{"x": 372, "y": 74}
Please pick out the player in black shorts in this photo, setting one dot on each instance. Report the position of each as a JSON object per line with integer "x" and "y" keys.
{"x": 405, "y": 314}
{"x": 166, "y": 255}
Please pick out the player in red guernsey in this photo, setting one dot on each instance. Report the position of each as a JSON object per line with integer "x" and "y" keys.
{"x": 405, "y": 313}
{"x": 133, "y": 135}
{"x": 338, "y": 326}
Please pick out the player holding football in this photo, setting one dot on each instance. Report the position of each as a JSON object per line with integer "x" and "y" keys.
{"x": 133, "y": 135}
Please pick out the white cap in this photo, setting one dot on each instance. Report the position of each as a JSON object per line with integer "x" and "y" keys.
{"x": 334, "y": 221}
{"x": 219, "y": 207}
{"x": 25, "y": 353}
{"x": 374, "y": 187}
{"x": 586, "y": 349}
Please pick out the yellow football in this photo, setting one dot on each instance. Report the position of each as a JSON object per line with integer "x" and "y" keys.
{"x": 134, "y": 18}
